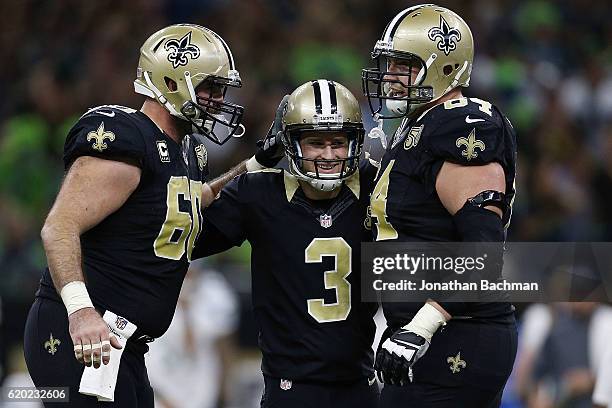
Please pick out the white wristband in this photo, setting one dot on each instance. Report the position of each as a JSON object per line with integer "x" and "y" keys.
{"x": 426, "y": 322}
{"x": 75, "y": 296}
{"x": 253, "y": 165}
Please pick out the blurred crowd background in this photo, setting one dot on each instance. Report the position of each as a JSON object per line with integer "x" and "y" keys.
{"x": 546, "y": 64}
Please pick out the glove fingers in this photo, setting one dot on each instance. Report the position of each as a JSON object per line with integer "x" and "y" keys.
{"x": 396, "y": 369}
{"x": 381, "y": 365}
{"x": 277, "y": 125}
{"x": 404, "y": 370}
{"x": 381, "y": 376}
{"x": 281, "y": 107}
{"x": 380, "y": 356}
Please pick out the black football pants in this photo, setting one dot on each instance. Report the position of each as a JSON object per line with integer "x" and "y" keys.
{"x": 310, "y": 395}
{"x": 466, "y": 366}
{"x": 60, "y": 368}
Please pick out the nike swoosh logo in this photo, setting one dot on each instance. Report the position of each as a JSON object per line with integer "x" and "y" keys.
{"x": 372, "y": 381}
{"x": 109, "y": 114}
{"x": 470, "y": 120}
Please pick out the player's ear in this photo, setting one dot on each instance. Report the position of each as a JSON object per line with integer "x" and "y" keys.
{"x": 171, "y": 84}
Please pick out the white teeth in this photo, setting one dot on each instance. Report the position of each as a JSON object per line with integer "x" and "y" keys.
{"x": 327, "y": 166}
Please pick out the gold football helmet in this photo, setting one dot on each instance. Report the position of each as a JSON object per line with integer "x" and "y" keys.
{"x": 322, "y": 106}
{"x": 433, "y": 39}
{"x": 174, "y": 61}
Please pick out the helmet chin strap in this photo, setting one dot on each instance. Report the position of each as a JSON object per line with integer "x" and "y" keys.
{"x": 208, "y": 125}
{"x": 192, "y": 93}
{"x": 325, "y": 185}
{"x": 160, "y": 97}
{"x": 318, "y": 184}
{"x": 399, "y": 107}
{"x": 241, "y": 126}
{"x": 455, "y": 81}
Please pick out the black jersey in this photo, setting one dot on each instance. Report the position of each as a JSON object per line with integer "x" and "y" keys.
{"x": 405, "y": 205}
{"x": 134, "y": 260}
{"x": 305, "y": 266}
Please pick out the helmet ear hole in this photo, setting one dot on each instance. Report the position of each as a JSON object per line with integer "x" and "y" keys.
{"x": 170, "y": 84}
{"x": 448, "y": 69}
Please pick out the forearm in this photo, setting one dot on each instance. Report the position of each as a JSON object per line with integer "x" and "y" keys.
{"x": 212, "y": 189}
{"x": 62, "y": 244}
{"x": 63, "y": 249}
{"x": 217, "y": 184}
{"x": 440, "y": 309}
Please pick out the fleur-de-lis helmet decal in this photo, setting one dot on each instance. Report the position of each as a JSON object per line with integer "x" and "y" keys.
{"x": 432, "y": 39}
{"x": 181, "y": 50}
{"x": 179, "y": 58}
{"x": 446, "y": 36}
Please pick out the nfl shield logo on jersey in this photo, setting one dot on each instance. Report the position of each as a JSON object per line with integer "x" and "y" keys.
{"x": 326, "y": 220}
{"x": 121, "y": 323}
{"x": 285, "y": 384}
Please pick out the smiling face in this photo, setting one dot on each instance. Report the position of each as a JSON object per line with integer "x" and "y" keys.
{"x": 324, "y": 151}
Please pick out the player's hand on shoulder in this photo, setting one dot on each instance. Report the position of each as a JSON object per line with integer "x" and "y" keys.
{"x": 270, "y": 150}
{"x": 397, "y": 355}
{"x": 91, "y": 337}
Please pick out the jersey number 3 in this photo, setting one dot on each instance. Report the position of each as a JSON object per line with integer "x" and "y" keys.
{"x": 172, "y": 241}
{"x": 334, "y": 279}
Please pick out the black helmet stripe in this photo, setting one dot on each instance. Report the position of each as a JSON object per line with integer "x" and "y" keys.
{"x": 332, "y": 97}
{"x": 397, "y": 20}
{"x": 394, "y": 24}
{"x": 325, "y": 97}
{"x": 326, "y": 100}
{"x": 317, "y": 95}
{"x": 227, "y": 50}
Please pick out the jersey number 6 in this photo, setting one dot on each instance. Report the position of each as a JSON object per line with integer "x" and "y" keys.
{"x": 172, "y": 241}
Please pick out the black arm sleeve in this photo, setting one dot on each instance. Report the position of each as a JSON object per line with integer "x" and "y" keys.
{"x": 477, "y": 224}
{"x": 211, "y": 241}
{"x": 224, "y": 224}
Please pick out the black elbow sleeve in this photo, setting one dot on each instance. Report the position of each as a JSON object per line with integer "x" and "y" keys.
{"x": 474, "y": 223}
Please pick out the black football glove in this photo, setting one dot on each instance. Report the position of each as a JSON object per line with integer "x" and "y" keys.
{"x": 270, "y": 150}
{"x": 397, "y": 355}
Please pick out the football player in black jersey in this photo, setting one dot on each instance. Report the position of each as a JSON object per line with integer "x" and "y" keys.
{"x": 120, "y": 234}
{"x": 305, "y": 227}
{"x": 447, "y": 175}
